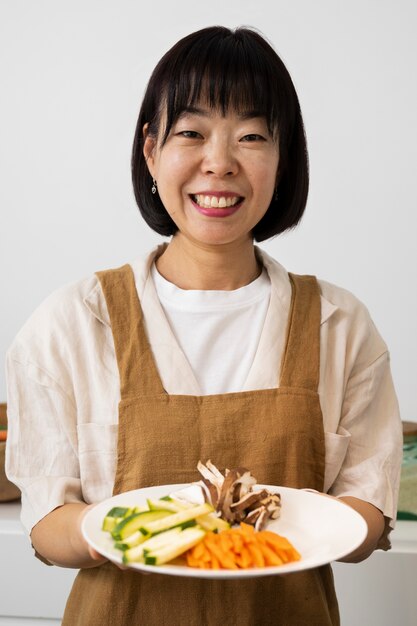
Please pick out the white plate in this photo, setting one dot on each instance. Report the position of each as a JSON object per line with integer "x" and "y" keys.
{"x": 321, "y": 529}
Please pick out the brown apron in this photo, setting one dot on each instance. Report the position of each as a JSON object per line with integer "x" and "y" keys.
{"x": 276, "y": 433}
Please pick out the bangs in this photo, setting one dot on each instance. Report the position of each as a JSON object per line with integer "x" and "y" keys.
{"x": 228, "y": 73}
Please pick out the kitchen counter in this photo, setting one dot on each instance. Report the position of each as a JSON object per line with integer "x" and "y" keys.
{"x": 378, "y": 592}
{"x": 31, "y": 592}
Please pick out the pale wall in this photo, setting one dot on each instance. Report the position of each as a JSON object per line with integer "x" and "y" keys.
{"x": 72, "y": 76}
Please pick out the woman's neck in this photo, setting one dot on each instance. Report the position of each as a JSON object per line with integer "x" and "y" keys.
{"x": 193, "y": 266}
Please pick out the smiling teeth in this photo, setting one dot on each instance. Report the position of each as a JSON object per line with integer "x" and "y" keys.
{"x": 213, "y": 202}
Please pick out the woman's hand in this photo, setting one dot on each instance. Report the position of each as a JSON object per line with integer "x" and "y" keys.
{"x": 58, "y": 538}
{"x": 374, "y": 519}
{"x": 376, "y": 524}
{"x": 96, "y": 556}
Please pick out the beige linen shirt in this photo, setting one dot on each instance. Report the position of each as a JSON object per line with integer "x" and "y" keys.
{"x": 63, "y": 392}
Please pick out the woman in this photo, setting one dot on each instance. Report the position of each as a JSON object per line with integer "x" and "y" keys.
{"x": 211, "y": 347}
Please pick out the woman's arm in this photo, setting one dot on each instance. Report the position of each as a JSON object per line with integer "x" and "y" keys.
{"x": 376, "y": 524}
{"x": 58, "y": 539}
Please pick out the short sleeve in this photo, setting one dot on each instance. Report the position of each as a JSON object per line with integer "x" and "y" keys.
{"x": 370, "y": 419}
{"x": 41, "y": 454}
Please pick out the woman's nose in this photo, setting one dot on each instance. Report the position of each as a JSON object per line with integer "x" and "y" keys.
{"x": 219, "y": 159}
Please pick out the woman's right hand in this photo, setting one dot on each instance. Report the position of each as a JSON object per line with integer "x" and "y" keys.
{"x": 59, "y": 540}
{"x": 96, "y": 556}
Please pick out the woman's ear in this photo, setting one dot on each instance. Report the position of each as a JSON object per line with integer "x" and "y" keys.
{"x": 149, "y": 145}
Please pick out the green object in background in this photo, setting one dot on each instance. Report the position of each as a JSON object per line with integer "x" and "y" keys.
{"x": 403, "y": 515}
{"x": 407, "y": 501}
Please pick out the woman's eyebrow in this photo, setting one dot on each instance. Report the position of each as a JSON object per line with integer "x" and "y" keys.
{"x": 209, "y": 112}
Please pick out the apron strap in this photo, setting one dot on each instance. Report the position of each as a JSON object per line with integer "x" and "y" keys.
{"x": 300, "y": 366}
{"x": 137, "y": 368}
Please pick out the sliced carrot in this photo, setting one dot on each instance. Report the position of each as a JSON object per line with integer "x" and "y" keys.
{"x": 247, "y": 529}
{"x": 277, "y": 540}
{"x": 225, "y": 560}
{"x": 215, "y": 562}
{"x": 199, "y": 550}
{"x": 237, "y": 541}
{"x": 244, "y": 560}
{"x": 225, "y": 541}
{"x": 241, "y": 548}
{"x": 257, "y": 556}
{"x": 271, "y": 558}
{"x": 191, "y": 560}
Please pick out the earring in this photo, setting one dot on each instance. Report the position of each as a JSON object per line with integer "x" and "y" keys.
{"x": 153, "y": 186}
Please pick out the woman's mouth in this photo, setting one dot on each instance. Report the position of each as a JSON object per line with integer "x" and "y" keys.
{"x": 215, "y": 202}
{"x": 216, "y": 205}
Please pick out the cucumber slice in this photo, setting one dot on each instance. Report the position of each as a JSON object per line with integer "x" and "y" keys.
{"x": 158, "y": 541}
{"x": 114, "y": 516}
{"x": 185, "y": 540}
{"x": 131, "y": 541}
{"x": 109, "y": 523}
{"x": 118, "y": 511}
{"x": 157, "y": 505}
{"x": 212, "y": 523}
{"x": 129, "y": 525}
{"x": 175, "y": 519}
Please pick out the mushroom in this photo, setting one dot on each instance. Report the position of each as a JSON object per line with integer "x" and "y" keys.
{"x": 226, "y": 495}
{"x": 210, "y": 491}
{"x": 249, "y": 501}
{"x": 233, "y": 497}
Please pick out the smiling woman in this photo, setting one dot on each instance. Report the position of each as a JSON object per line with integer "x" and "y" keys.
{"x": 240, "y": 75}
{"x": 216, "y": 175}
{"x": 207, "y": 348}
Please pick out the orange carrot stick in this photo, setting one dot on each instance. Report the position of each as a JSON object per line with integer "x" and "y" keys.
{"x": 241, "y": 548}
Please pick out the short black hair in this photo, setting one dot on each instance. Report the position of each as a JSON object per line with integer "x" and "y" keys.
{"x": 236, "y": 69}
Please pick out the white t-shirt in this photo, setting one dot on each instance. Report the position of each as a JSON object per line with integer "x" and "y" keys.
{"x": 218, "y": 331}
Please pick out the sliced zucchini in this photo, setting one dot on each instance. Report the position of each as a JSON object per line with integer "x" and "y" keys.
{"x": 212, "y": 522}
{"x": 157, "y": 505}
{"x": 129, "y": 525}
{"x": 129, "y": 542}
{"x": 175, "y": 519}
{"x": 109, "y": 523}
{"x": 114, "y": 516}
{"x": 185, "y": 540}
{"x": 118, "y": 511}
{"x": 135, "y": 553}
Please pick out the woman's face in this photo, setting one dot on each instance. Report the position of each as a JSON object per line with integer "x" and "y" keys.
{"x": 216, "y": 174}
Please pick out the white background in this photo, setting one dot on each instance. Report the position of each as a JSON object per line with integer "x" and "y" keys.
{"x": 72, "y": 74}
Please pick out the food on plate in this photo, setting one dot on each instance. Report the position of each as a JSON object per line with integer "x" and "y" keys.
{"x": 233, "y": 497}
{"x": 196, "y": 522}
{"x": 241, "y": 548}
{"x": 161, "y": 532}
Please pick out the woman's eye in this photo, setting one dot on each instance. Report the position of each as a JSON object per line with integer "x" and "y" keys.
{"x": 253, "y": 137}
{"x": 190, "y": 134}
